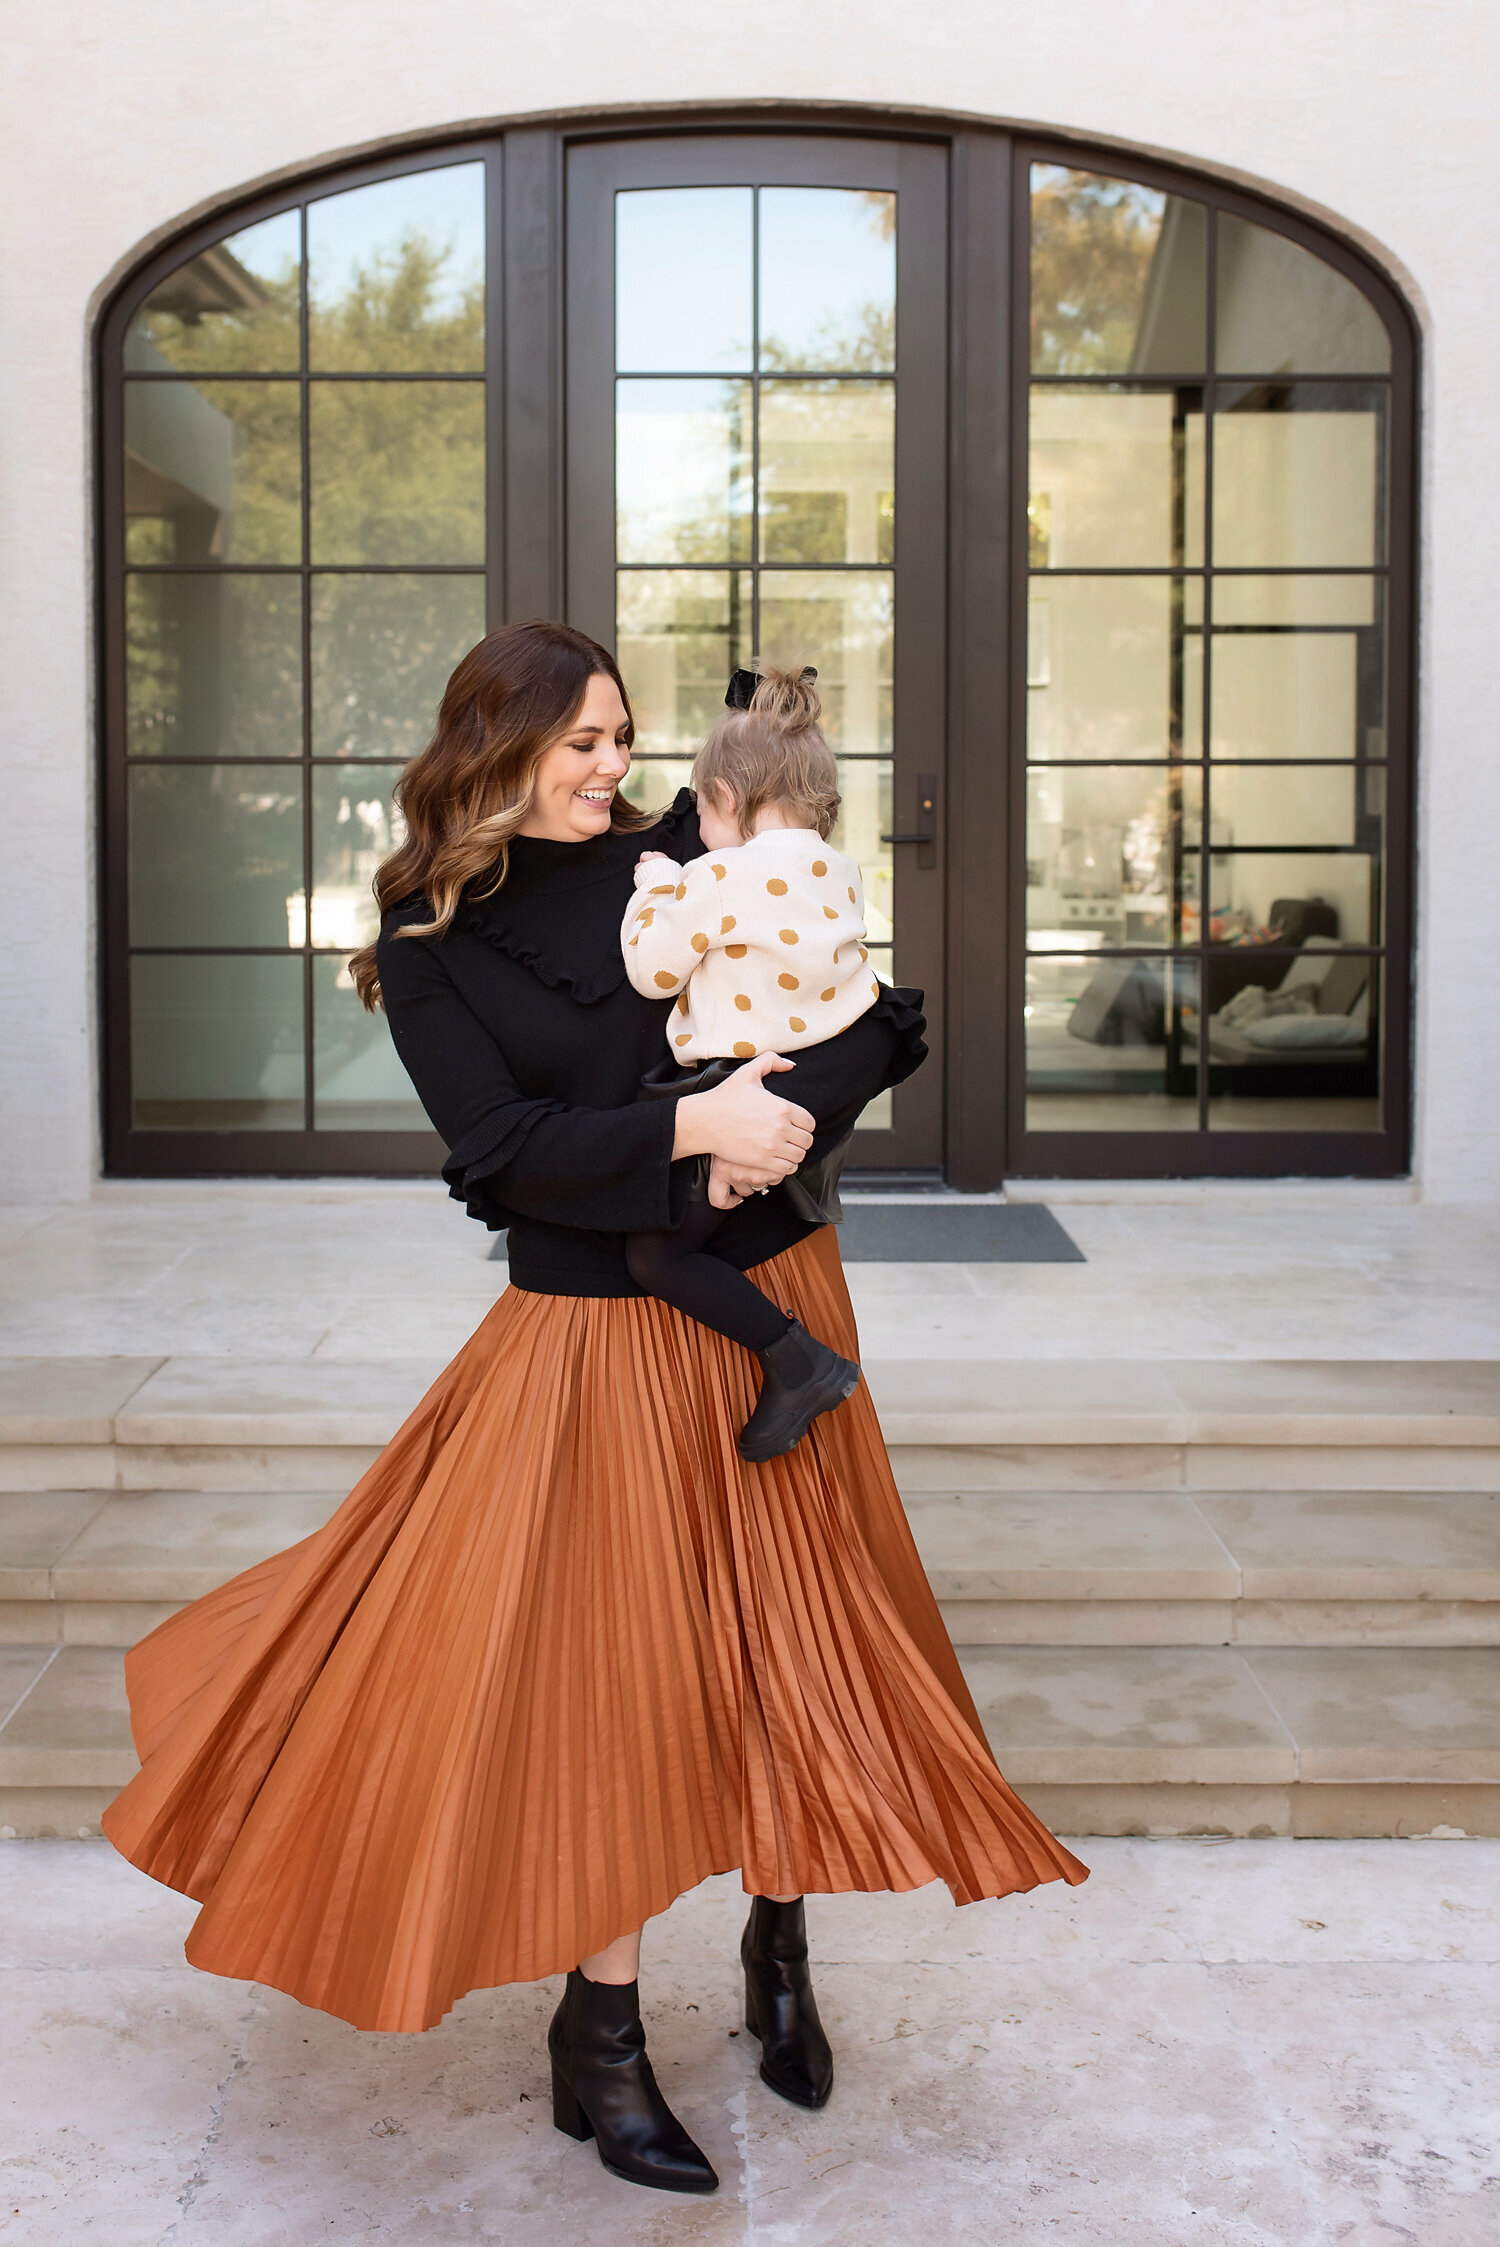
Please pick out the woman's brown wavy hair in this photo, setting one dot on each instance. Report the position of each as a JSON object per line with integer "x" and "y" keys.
{"x": 468, "y": 792}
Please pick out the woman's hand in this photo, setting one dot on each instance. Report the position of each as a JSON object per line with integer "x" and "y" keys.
{"x": 722, "y": 1193}
{"x": 758, "y": 1137}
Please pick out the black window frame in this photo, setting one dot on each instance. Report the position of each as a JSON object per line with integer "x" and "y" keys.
{"x": 982, "y": 841}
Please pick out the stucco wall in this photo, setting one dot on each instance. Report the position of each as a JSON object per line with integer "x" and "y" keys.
{"x": 120, "y": 118}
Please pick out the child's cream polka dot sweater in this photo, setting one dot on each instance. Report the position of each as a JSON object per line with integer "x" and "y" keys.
{"x": 762, "y": 946}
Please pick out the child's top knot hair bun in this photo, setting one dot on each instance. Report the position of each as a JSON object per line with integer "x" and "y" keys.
{"x": 788, "y": 698}
{"x": 769, "y": 748}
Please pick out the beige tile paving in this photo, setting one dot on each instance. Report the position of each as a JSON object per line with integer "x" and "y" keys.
{"x": 247, "y": 1400}
{"x": 1362, "y": 1545}
{"x": 66, "y": 1399}
{"x": 1245, "y": 2045}
{"x": 73, "y": 1728}
{"x": 36, "y": 1529}
{"x": 1374, "y": 1713}
{"x": 176, "y": 1545}
{"x": 1062, "y": 1545}
{"x": 1321, "y": 1399}
{"x": 1130, "y": 1714}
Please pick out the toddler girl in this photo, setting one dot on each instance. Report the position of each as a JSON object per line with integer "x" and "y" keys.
{"x": 760, "y": 945}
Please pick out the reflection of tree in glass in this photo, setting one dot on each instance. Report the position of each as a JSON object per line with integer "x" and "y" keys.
{"x": 402, "y": 313}
{"x": 1092, "y": 241}
{"x": 383, "y": 648}
{"x": 397, "y": 472}
{"x": 213, "y": 666}
{"x": 868, "y": 346}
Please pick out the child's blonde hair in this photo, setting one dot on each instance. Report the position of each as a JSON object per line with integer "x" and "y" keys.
{"x": 773, "y": 753}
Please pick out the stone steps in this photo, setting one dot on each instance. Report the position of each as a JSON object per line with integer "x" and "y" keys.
{"x": 1220, "y": 1597}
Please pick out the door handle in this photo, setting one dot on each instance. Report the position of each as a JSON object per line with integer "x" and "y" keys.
{"x": 924, "y": 835}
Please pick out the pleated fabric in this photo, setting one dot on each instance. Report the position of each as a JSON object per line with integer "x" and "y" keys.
{"x": 558, "y": 1656}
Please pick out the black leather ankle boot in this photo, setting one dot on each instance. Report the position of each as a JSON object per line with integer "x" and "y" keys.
{"x": 779, "y": 2004}
{"x": 800, "y": 1377}
{"x": 603, "y": 2088}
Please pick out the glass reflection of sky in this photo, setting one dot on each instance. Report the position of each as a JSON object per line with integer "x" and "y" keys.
{"x": 345, "y": 232}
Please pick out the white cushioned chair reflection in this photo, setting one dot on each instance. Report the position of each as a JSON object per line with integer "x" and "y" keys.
{"x": 1319, "y": 1011}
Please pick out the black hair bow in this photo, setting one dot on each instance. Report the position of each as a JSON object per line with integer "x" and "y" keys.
{"x": 742, "y": 685}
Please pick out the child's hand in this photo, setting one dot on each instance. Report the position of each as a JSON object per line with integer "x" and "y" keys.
{"x": 647, "y": 856}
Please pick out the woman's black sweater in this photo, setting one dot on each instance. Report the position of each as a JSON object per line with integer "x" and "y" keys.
{"x": 527, "y": 1045}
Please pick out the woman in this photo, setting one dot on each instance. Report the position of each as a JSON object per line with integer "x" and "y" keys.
{"x": 561, "y": 1654}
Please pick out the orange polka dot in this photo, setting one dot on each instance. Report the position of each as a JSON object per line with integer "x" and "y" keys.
{"x": 875, "y": 986}
{"x": 788, "y": 982}
{"x": 788, "y": 935}
{"x": 634, "y": 941}
{"x": 718, "y": 873}
{"x": 664, "y": 982}
{"x": 647, "y": 917}
{"x": 864, "y": 955}
{"x": 796, "y": 1022}
{"x": 682, "y": 1002}
{"x": 683, "y": 1037}
{"x": 831, "y": 993}
{"x": 830, "y": 912}
{"x": 735, "y": 951}
{"x": 700, "y": 943}
{"x": 743, "y": 1052}
{"x": 662, "y": 889}
{"x": 742, "y": 1002}
{"x": 726, "y": 924}
{"x": 851, "y": 896}
{"x": 820, "y": 866}
{"x": 680, "y": 890}
{"x": 776, "y": 886}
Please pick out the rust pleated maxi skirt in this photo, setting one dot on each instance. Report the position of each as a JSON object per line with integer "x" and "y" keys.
{"x": 558, "y": 1656}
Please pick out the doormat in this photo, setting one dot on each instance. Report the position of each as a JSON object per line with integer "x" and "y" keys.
{"x": 944, "y": 1232}
{"x": 938, "y": 1232}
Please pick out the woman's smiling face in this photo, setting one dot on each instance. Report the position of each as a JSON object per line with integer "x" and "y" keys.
{"x": 578, "y": 775}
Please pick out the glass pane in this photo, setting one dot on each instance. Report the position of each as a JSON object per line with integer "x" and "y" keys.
{"x": 827, "y": 471}
{"x": 355, "y": 826}
{"x": 232, "y": 309}
{"x": 1273, "y": 805}
{"x": 827, "y": 279}
{"x": 358, "y": 1081}
{"x": 215, "y": 854}
{"x": 1297, "y": 479}
{"x": 684, "y": 280}
{"x": 216, "y": 1044}
{"x": 842, "y": 624}
{"x": 382, "y": 652}
{"x": 397, "y": 471}
{"x": 1114, "y": 667}
{"x": 1298, "y": 694}
{"x": 653, "y": 782}
{"x": 1266, "y": 897}
{"x": 1106, "y": 862}
{"x": 682, "y": 471}
{"x": 1108, "y": 1045}
{"x": 213, "y": 666}
{"x": 213, "y": 472}
{"x": 864, "y": 816}
{"x": 1297, "y": 600}
{"x": 395, "y": 275}
{"x": 1117, "y": 276}
{"x": 679, "y": 634}
{"x": 1293, "y": 1041}
{"x": 1116, "y": 480}
{"x": 1281, "y": 310}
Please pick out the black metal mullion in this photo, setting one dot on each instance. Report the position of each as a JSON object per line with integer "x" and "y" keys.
{"x": 755, "y": 421}
{"x": 308, "y": 1119}
{"x": 1206, "y": 807}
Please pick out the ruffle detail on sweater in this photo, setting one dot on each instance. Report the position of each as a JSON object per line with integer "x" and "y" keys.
{"x": 902, "y": 1008}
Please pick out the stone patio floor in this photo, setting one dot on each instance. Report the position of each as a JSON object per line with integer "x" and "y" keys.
{"x": 1270, "y": 2044}
{"x": 355, "y": 1271}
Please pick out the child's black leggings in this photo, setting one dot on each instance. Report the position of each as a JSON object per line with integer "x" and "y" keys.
{"x": 675, "y": 1267}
